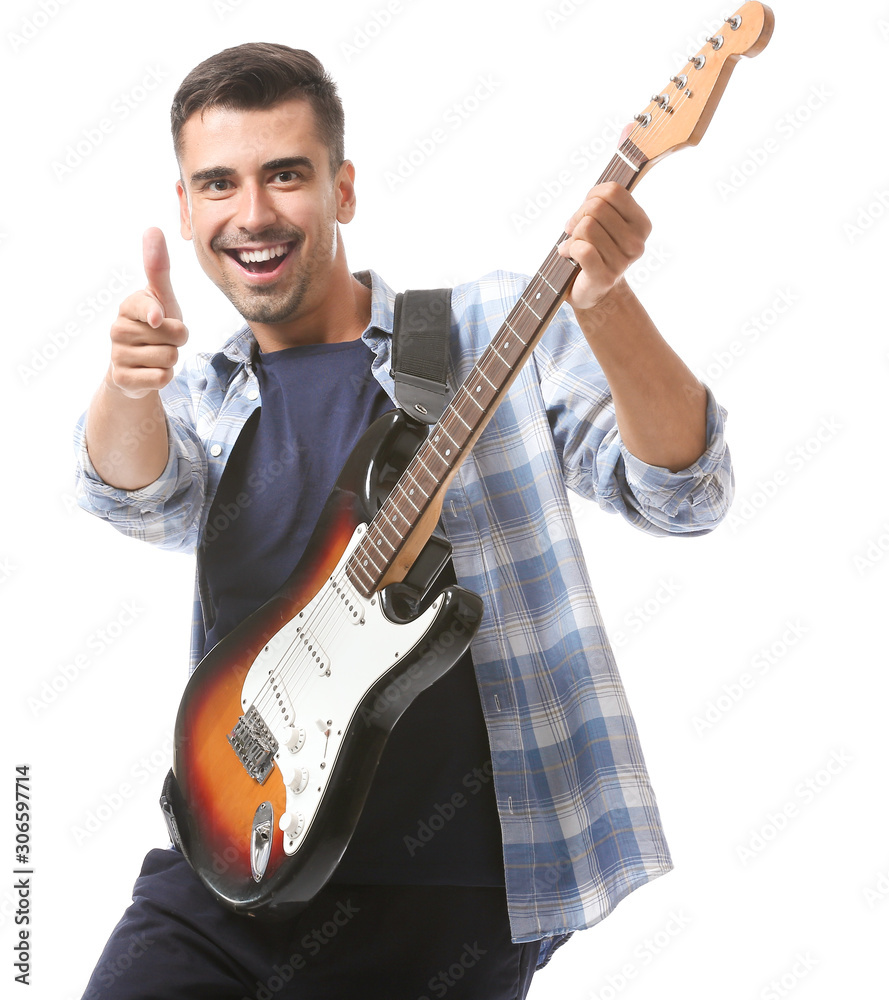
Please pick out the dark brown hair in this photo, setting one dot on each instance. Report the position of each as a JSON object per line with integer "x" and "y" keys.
{"x": 259, "y": 75}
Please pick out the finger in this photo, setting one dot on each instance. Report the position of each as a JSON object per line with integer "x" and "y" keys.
{"x": 142, "y": 308}
{"x": 604, "y": 227}
{"x": 596, "y": 253}
{"x": 621, "y": 201}
{"x": 162, "y": 356}
{"x": 156, "y": 260}
{"x": 132, "y": 326}
{"x": 139, "y": 381}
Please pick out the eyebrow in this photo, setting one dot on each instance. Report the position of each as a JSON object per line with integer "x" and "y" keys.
{"x": 282, "y": 163}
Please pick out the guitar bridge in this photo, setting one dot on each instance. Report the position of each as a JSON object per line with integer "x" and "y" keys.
{"x": 254, "y": 744}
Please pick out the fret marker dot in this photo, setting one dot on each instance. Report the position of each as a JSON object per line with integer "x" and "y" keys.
{"x": 478, "y": 388}
{"x": 447, "y": 451}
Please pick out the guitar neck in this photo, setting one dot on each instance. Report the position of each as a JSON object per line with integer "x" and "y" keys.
{"x": 676, "y": 117}
{"x": 418, "y": 495}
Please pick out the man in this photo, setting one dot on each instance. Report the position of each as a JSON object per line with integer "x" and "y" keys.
{"x": 525, "y": 752}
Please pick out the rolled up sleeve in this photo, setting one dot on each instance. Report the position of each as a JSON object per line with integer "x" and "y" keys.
{"x": 691, "y": 501}
{"x": 166, "y": 512}
{"x": 595, "y": 462}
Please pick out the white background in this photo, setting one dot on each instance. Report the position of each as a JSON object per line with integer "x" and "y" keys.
{"x": 773, "y": 793}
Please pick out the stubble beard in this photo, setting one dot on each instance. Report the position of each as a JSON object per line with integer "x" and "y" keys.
{"x": 268, "y": 305}
{"x": 274, "y": 303}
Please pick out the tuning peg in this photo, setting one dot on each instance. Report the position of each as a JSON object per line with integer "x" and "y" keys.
{"x": 716, "y": 41}
{"x": 734, "y": 22}
{"x": 643, "y": 119}
{"x": 680, "y": 80}
{"x": 660, "y": 99}
{"x": 697, "y": 61}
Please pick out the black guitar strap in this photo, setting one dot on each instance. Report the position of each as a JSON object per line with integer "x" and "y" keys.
{"x": 420, "y": 340}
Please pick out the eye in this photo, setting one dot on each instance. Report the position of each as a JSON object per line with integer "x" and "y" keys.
{"x": 286, "y": 176}
{"x": 217, "y": 186}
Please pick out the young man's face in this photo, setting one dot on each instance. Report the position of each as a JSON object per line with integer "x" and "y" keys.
{"x": 259, "y": 184}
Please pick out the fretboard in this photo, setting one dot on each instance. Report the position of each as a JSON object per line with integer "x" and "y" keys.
{"x": 473, "y": 404}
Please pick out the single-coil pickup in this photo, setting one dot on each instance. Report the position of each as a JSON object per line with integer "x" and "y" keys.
{"x": 278, "y": 690}
{"x": 347, "y": 599}
{"x": 308, "y": 649}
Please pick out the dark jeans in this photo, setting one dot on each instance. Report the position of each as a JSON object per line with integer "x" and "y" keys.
{"x": 374, "y": 942}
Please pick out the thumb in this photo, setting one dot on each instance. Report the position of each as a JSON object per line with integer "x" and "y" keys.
{"x": 156, "y": 260}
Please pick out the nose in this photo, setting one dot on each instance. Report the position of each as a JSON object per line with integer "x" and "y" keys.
{"x": 256, "y": 209}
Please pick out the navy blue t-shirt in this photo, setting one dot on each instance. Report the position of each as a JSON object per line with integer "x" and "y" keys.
{"x": 431, "y": 815}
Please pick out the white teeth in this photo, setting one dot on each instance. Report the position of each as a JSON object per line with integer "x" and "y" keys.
{"x": 252, "y": 256}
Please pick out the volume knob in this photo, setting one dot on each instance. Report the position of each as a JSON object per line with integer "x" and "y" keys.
{"x": 296, "y": 778}
{"x": 292, "y": 823}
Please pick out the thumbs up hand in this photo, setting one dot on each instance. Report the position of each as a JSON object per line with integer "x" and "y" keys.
{"x": 148, "y": 332}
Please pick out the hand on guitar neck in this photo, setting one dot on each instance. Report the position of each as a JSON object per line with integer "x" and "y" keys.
{"x": 660, "y": 406}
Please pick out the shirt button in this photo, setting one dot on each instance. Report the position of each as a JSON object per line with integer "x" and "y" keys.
{"x": 216, "y": 450}
{"x": 253, "y": 394}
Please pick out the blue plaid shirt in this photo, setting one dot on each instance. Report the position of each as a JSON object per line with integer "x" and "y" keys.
{"x": 580, "y": 822}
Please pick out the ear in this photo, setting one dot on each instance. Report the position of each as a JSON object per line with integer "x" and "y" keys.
{"x": 344, "y": 187}
{"x": 184, "y": 211}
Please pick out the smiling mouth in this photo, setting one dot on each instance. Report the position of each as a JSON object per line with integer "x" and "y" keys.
{"x": 261, "y": 261}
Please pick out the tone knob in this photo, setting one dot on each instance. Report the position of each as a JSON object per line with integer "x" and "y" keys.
{"x": 292, "y": 823}
{"x": 296, "y": 778}
{"x": 295, "y": 738}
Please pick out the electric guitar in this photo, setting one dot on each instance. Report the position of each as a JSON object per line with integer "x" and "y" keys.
{"x": 282, "y": 725}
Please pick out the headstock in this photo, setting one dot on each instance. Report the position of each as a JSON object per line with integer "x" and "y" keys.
{"x": 679, "y": 115}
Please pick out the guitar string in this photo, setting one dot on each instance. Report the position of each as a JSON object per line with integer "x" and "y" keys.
{"x": 293, "y": 674}
{"x": 649, "y": 131}
{"x": 296, "y": 665}
{"x": 324, "y": 618}
{"x": 322, "y": 621}
{"x": 685, "y": 94}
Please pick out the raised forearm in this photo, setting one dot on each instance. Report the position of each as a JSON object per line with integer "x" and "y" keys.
{"x": 660, "y": 405}
{"x": 126, "y": 437}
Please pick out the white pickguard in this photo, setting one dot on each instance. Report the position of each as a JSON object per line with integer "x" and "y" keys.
{"x": 308, "y": 681}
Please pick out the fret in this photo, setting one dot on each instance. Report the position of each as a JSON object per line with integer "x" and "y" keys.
{"x": 449, "y": 439}
{"x": 406, "y": 496}
{"x": 477, "y": 403}
{"x": 419, "y": 459}
{"x": 617, "y": 170}
{"x": 442, "y": 429}
{"x": 499, "y": 355}
{"x": 680, "y": 124}
{"x": 528, "y": 307}
{"x": 353, "y": 569}
{"x": 377, "y": 536}
{"x": 367, "y": 558}
{"x": 409, "y": 475}
{"x": 396, "y": 513}
{"x": 511, "y": 329}
{"x": 437, "y": 453}
{"x": 628, "y": 162}
{"x": 544, "y": 279}
{"x": 447, "y": 452}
